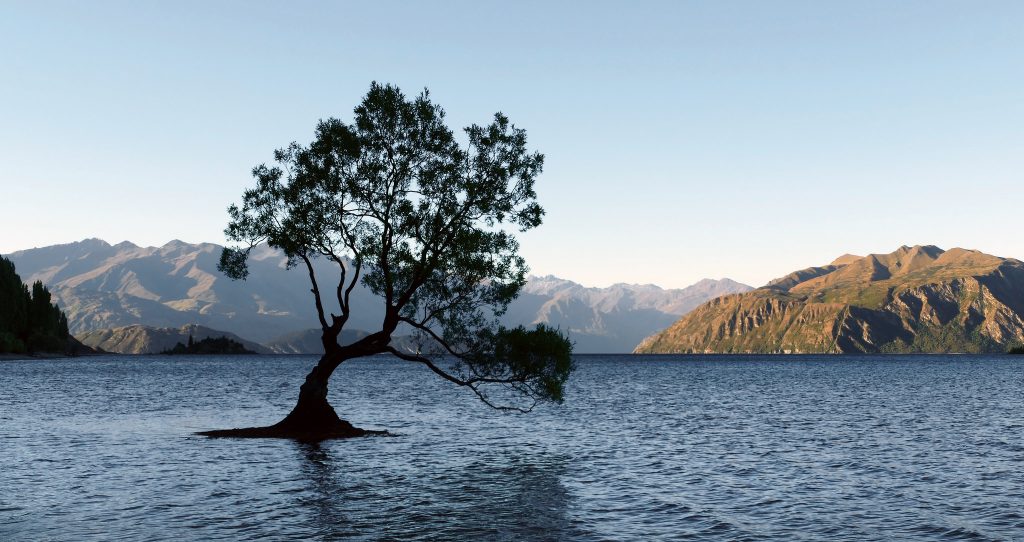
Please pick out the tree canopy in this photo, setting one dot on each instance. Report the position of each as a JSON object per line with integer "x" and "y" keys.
{"x": 28, "y": 321}
{"x": 427, "y": 222}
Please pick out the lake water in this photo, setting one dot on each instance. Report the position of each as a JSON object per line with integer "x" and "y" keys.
{"x": 644, "y": 448}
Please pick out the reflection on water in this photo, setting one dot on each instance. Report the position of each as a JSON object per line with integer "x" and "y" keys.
{"x": 328, "y": 491}
{"x": 496, "y": 497}
{"x": 717, "y": 448}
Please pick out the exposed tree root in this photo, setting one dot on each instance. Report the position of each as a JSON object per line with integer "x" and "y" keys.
{"x": 312, "y": 420}
{"x": 340, "y": 430}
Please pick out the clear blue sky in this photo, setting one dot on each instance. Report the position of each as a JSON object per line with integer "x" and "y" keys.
{"x": 683, "y": 139}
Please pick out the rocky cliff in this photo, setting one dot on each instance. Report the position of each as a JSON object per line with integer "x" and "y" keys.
{"x": 916, "y": 299}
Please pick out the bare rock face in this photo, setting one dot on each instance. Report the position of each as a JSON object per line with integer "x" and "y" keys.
{"x": 916, "y": 299}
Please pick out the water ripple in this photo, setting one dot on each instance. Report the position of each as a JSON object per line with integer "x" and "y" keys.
{"x": 674, "y": 448}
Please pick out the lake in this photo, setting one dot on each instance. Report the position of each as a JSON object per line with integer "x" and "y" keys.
{"x": 644, "y": 448}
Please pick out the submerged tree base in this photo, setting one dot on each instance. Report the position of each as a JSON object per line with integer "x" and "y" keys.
{"x": 303, "y": 434}
{"x": 312, "y": 420}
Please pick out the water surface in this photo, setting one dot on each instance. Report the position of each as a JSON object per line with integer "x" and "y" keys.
{"x": 687, "y": 447}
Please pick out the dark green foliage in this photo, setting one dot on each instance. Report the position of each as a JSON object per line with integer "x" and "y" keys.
{"x": 952, "y": 337}
{"x": 10, "y": 343}
{"x": 209, "y": 345}
{"x": 896, "y": 346}
{"x": 543, "y": 354}
{"x": 1017, "y": 350}
{"x": 426, "y": 221}
{"x": 232, "y": 263}
{"x": 28, "y": 321}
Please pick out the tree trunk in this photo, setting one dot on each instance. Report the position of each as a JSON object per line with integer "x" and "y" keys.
{"x": 313, "y": 419}
{"x": 312, "y": 413}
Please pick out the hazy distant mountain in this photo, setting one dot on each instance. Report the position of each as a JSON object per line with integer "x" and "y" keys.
{"x": 612, "y": 319}
{"x": 154, "y": 340}
{"x": 916, "y": 299}
{"x": 101, "y": 286}
{"x": 598, "y": 320}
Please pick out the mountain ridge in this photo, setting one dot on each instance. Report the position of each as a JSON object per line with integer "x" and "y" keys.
{"x": 140, "y": 339}
{"x": 104, "y": 286}
{"x": 914, "y": 299}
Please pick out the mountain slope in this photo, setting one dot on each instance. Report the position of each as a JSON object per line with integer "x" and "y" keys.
{"x": 597, "y": 320}
{"x": 915, "y": 299}
{"x": 154, "y": 340}
{"x": 613, "y": 319}
{"x": 103, "y": 286}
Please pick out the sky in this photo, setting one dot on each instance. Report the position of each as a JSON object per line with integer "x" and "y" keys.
{"x": 683, "y": 140}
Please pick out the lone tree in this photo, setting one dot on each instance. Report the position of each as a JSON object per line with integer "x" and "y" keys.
{"x": 424, "y": 222}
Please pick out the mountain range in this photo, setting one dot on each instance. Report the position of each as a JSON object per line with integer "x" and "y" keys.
{"x": 915, "y": 299}
{"x": 102, "y": 287}
{"x": 138, "y": 339}
{"x": 613, "y": 319}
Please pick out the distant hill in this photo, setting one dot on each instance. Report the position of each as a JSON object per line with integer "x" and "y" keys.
{"x": 598, "y": 320}
{"x": 139, "y": 339}
{"x": 916, "y": 299}
{"x": 209, "y": 346}
{"x": 612, "y": 319}
{"x": 102, "y": 286}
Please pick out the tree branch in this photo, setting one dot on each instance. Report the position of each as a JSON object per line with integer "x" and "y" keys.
{"x": 338, "y": 323}
{"x": 432, "y": 334}
{"x": 316, "y": 292}
{"x": 355, "y": 279}
{"x": 471, "y": 384}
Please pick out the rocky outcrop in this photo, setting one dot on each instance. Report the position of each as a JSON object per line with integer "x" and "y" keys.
{"x": 916, "y": 299}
